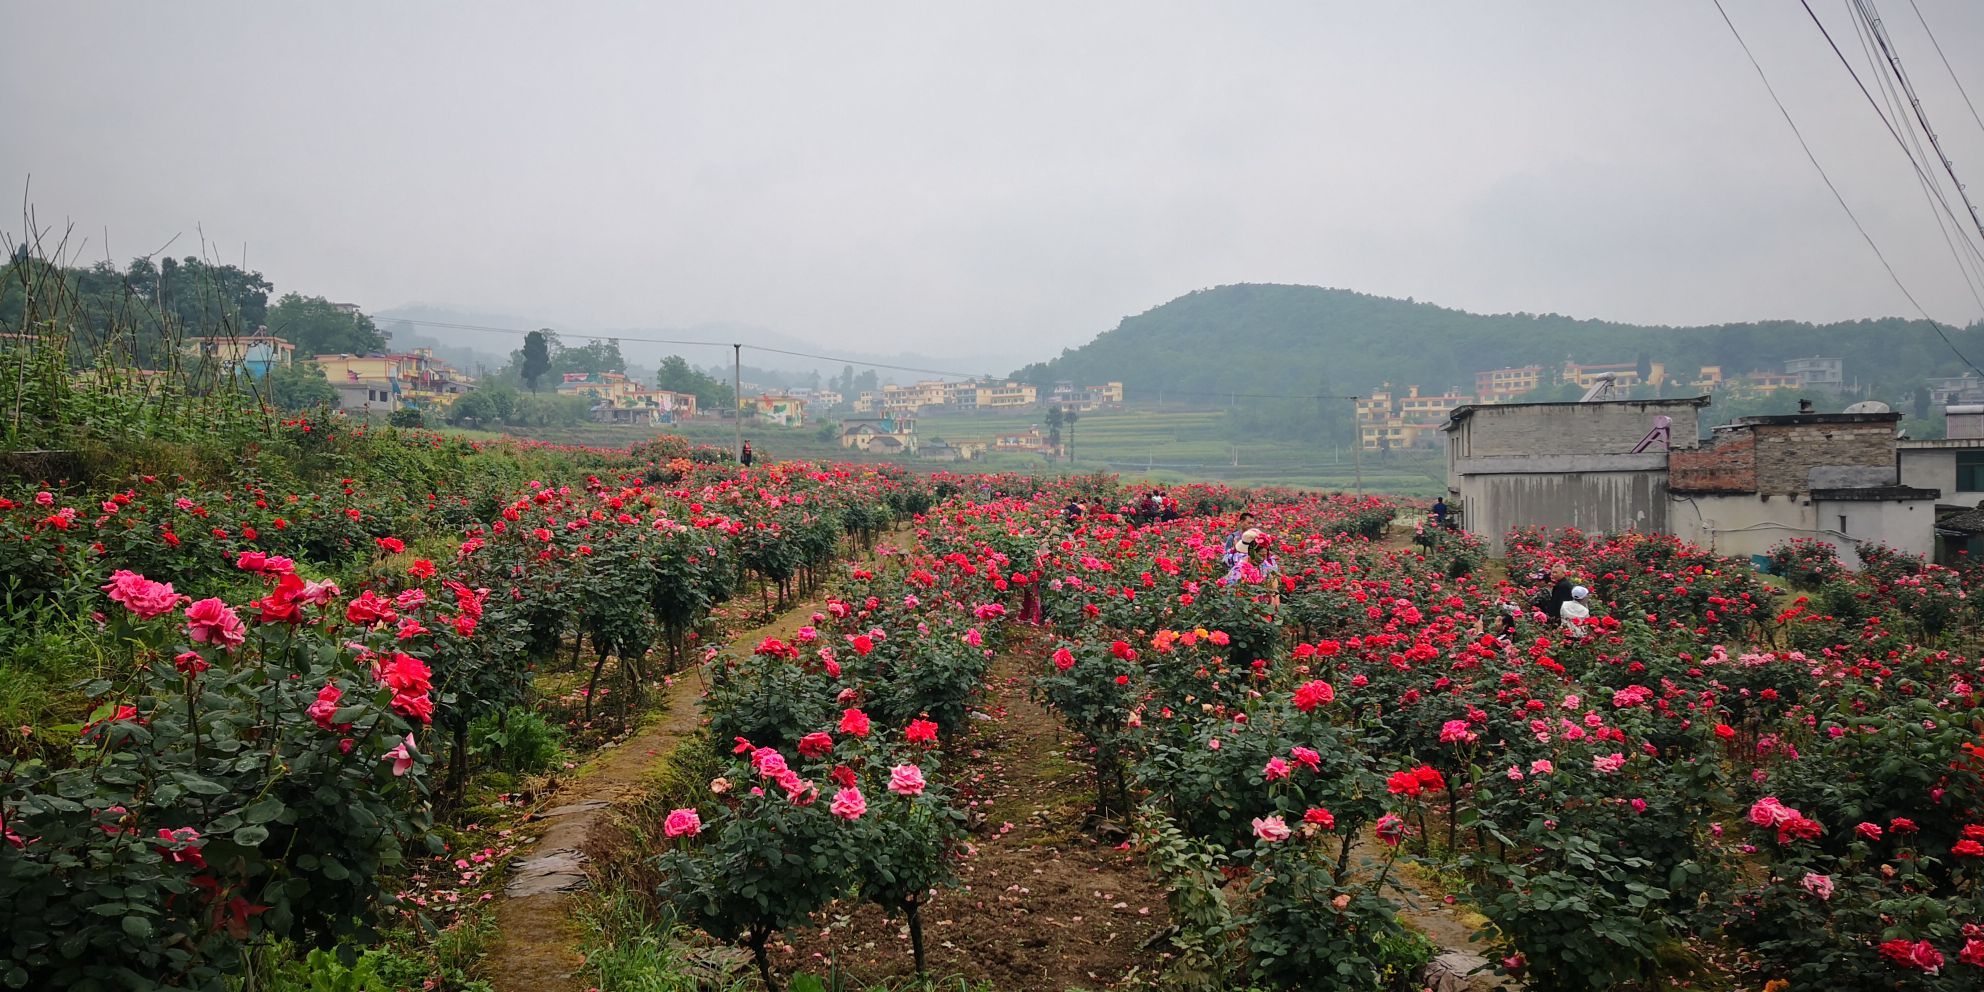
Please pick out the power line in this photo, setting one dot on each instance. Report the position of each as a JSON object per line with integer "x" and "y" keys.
{"x": 1969, "y": 261}
{"x": 1946, "y": 64}
{"x": 1920, "y": 173}
{"x": 1880, "y": 34}
{"x": 1814, "y": 159}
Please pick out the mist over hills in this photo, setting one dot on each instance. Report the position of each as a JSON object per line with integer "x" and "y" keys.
{"x": 1284, "y": 339}
{"x": 467, "y": 344}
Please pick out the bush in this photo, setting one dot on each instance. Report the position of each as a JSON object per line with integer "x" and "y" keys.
{"x": 515, "y": 740}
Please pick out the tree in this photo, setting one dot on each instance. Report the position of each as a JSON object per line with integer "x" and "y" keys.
{"x": 1922, "y": 402}
{"x": 316, "y": 326}
{"x": 299, "y": 386}
{"x": 1054, "y": 421}
{"x": 677, "y": 376}
{"x": 536, "y": 357}
{"x": 1069, "y": 419}
{"x": 1645, "y": 368}
{"x": 591, "y": 358}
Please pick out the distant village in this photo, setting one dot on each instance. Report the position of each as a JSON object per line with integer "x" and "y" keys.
{"x": 881, "y": 421}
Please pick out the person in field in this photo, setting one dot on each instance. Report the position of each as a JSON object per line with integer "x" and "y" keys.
{"x": 746, "y": 456}
{"x": 1574, "y": 614}
{"x": 1251, "y": 562}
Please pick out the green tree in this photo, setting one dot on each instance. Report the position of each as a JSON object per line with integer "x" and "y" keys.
{"x": 592, "y": 358}
{"x": 536, "y": 357}
{"x": 298, "y": 386}
{"x": 1054, "y": 420}
{"x": 678, "y": 376}
{"x": 1068, "y": 419}
{"x": 318, "y": 327}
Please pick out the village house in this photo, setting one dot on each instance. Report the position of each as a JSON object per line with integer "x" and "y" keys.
{"x": 1953, "y": 465}
{"x": 254, "y": 354}
{"x": 1599, "y": 467}
{"x": 1830, "y": 477}
{"x": 1083, "y": 399}
{"x": 1387, "y": 421}
{"x": 618, "y": 399}
{"x": 1827, "y": 375}
{"x": 775, "y": 411}
{"x": 383, "y": 383}
{"x": 1029, "y": 440}
{"x": 1503, "y": 385}
{"x": 887, "y": 434}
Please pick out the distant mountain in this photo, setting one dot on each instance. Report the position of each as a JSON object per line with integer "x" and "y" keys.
{"x": 1258, "y": 338}
{"x": 427, "y": 321}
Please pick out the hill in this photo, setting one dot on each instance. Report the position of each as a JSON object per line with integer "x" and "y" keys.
{"x": 1277, "y": 339}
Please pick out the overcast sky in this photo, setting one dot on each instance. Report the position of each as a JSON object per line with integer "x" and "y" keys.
{"x": 958, "y": 177}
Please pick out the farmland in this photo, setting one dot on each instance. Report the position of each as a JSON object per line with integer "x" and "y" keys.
{"x": 300, "y": 702}
{"x": 1165, "y": 446}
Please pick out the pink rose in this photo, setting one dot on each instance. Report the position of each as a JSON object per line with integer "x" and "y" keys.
{"x": 402, "y": 756}
{"x": 906, "y": 780}
{"x": 848, "y": 804}
{"x": 1818, "y": 885}
{"x": 684, "y": 822}
{"x": 1270, "y": 828}
{"x": 210, "y": 621}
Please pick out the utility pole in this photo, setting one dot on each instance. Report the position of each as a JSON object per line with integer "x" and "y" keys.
{"x": 1357, "y": 444}
{"x": 737, "y": 398}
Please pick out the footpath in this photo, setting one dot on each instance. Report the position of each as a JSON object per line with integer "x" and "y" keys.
{"x": 536, "y": 948}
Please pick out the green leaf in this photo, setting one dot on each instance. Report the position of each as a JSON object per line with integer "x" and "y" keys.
{"x": 138, "y": 927}
{"x": 264, "y": 810}
{"x": 251, "y": 836}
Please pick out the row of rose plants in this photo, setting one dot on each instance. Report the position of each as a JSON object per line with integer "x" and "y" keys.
{"x": 1593, "y": 791}
{"x": 259, "y": 764}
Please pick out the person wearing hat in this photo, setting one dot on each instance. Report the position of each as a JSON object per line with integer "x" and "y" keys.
{"x": 1252, "y": 561}
{"x": 1574, "y": 613}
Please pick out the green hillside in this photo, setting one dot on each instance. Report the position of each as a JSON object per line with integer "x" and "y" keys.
{"x": 1275, "y": 339}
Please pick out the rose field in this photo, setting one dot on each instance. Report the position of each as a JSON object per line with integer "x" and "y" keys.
{"x": 307, "y": 716}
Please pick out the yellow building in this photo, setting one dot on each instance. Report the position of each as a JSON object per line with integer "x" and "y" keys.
{"x": 1502, "y": 385}
{"x": 1005, "y": 396}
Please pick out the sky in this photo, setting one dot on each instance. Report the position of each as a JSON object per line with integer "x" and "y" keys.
{"x": 967, "y": 179}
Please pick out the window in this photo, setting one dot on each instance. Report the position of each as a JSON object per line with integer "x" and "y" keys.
{"x": 1970, "y": 471}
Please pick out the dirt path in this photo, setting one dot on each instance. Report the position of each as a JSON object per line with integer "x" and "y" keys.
{"x": 536, "y": 949}
{"x": 1040, "y": 904}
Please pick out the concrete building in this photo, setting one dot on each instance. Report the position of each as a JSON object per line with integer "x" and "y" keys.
{"x": 1503, "y": 385}
{"x": 1598, "y": 467}
{"x": 1960, "y": 390}
{"x": 1082, "y": 399}
{"x": 1388, "y": 421}
{"x": 254, "y": 354}
{"x": 1832, "y": 477}
{"x": 1822, "y": 374}
{"x": 888, "y": 433}
{"x": 617, "y": 399}
{"x": 776, "y": 411}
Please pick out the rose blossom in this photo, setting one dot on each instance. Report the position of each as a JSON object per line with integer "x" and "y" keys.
{"x": 848, "y": 804}
{"x": 210, "y": 621}
{"x": 1270, "y": 828}
{"x": 906, "y": 780}
{"x": 684, "y": 822}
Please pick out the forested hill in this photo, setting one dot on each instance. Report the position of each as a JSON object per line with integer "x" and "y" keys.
{"x": 1255, "y": 338}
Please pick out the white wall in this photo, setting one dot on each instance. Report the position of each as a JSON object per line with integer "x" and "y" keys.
{"x": 1745, "y": 525}
{"x": 1935, "y": 468}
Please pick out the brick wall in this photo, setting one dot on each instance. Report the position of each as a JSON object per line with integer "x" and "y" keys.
{"x": 1787, "y": 455}
{"x": 1727, "y": 466}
